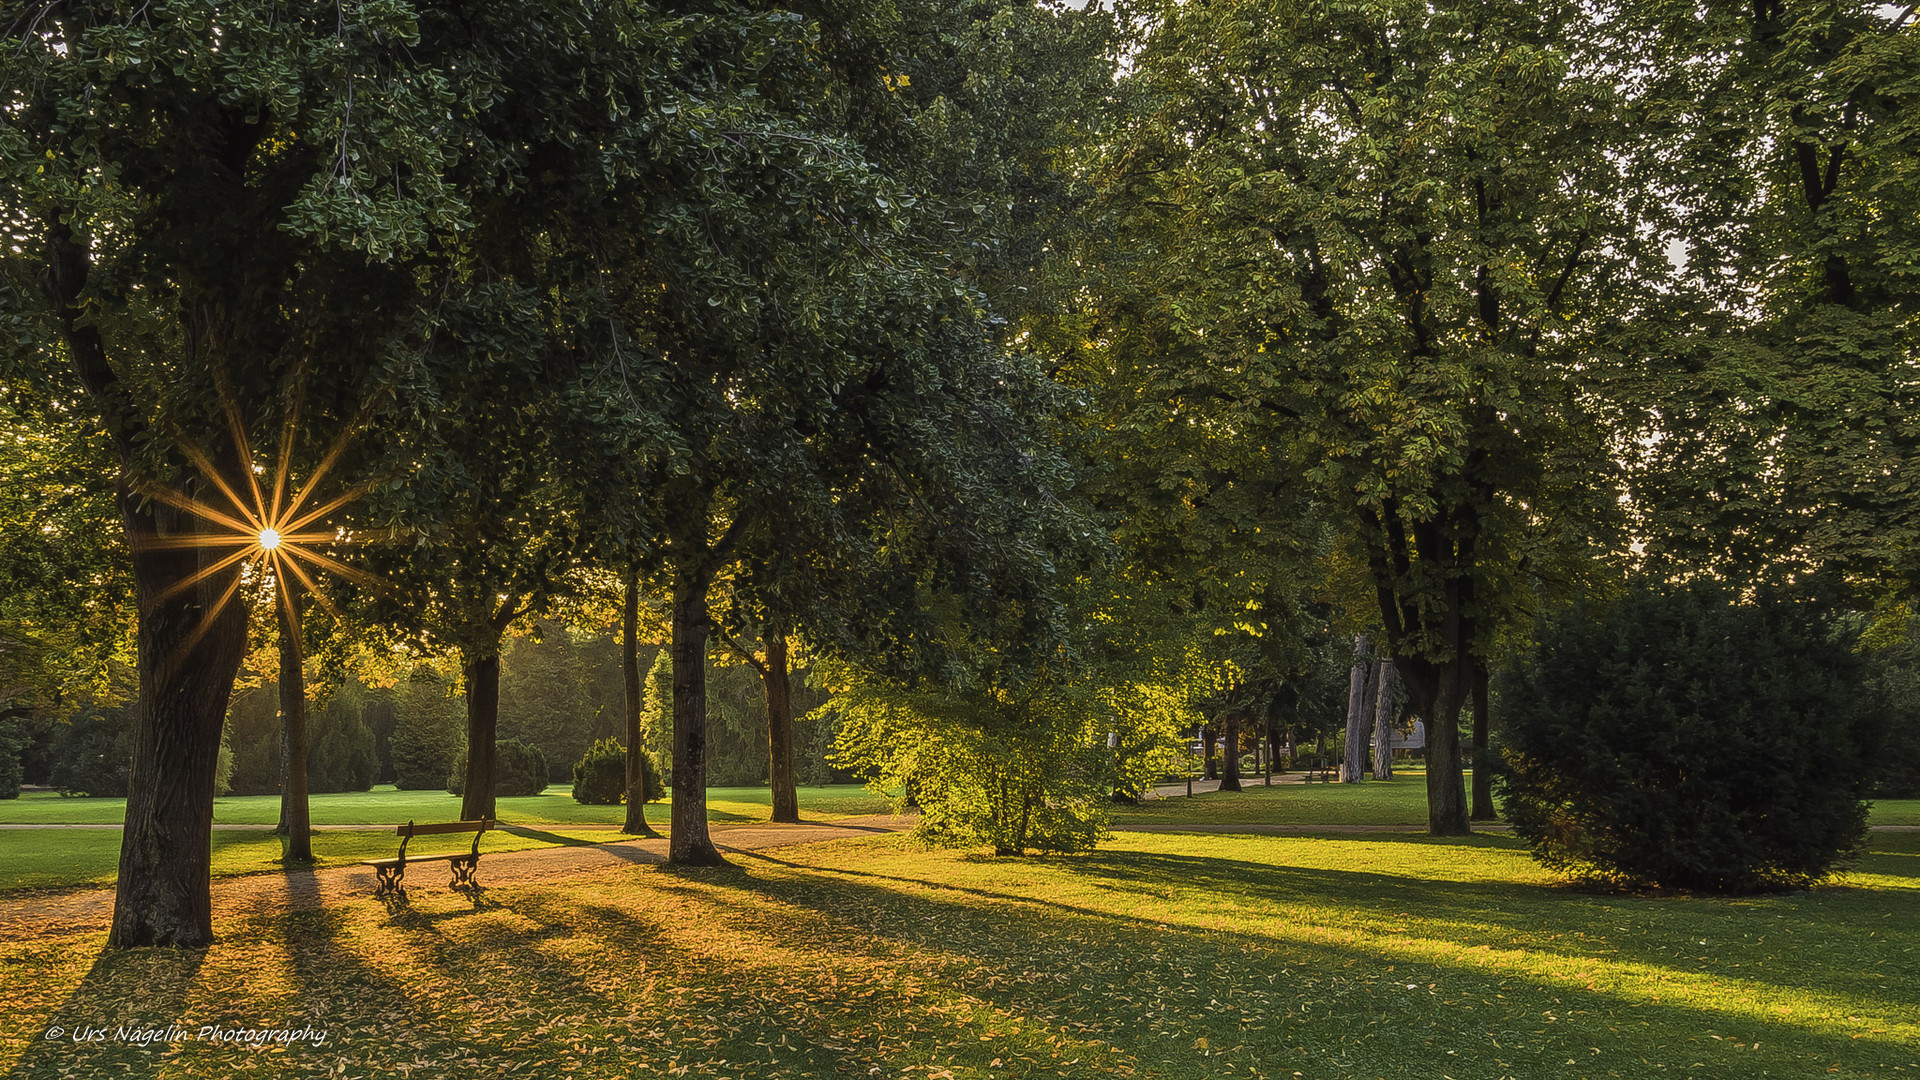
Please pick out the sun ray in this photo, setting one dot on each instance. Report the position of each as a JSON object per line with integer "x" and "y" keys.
{"x": 244, "y": 447}
{"x": 212, "y": 474}
{"x": 358, "y": 491}
{"x": 314, "y": 590}
{"x": 193, "y": 506}
{"x": 287, "y": 433}
{"x": 207, "y": 618}
{"x": 320, "y": 472}
{"x": 201, "y": 575}
{"x": 198, "y": 540}
{"x": 335, "y": 567}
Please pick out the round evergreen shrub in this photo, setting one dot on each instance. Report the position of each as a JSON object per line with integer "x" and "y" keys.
{"x": 519, "y": 768}
{"x": 1681, "y": 738}
{"x": 600, "y": 776}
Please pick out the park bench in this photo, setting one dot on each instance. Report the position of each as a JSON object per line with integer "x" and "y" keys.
{"x": 393, "y": 872}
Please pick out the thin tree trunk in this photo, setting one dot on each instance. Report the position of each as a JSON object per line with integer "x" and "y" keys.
{"x": 294, "y": 811}
{"x": 1352, "y": 765}
{"x": 1383, "y": 722}
{"x": 779, "y": 688}
{"x": 483, "y": 720}
{"x": 1210, "y": 767}
{"x": 689, "y": 843}
{"x": 1230, "y": 752}
{"x": 1482, "y": 768}
{"x": 636, "y": 824}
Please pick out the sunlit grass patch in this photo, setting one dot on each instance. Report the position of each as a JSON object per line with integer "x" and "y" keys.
{"x": 1159, "y": 955}
{"x": 386, "y": 804}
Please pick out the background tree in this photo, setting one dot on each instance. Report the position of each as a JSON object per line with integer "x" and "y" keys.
{"x": 1384, "y": 238}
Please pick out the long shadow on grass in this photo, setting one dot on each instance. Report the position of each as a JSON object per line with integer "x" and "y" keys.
{"x": 135, "y": 989}
{"x": 1704, "y": 937}
{"x": 1138, "y": 984}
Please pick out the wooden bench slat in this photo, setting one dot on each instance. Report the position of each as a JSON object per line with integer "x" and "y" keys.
{"x": 443, "y": 827}
{"x": 411, "y": 859}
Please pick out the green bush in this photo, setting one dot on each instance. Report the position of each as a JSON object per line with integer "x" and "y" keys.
{"x": 600, "y": 776}
{"x": 1028, "y": 776}
{"x": 93, "y": 752}
{"x": 1896, "y": 682}
{"x": 1680, "y": 738}
{"x": 13, "y": 739}
{"x": 519, "y": 768}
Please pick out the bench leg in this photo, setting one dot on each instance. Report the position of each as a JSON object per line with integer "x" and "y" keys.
{"x": 392, "y": 880}
{"x": 463, "y": 873}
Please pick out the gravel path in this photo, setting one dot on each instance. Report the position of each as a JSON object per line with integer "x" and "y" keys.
{"x": 91, "y": 910}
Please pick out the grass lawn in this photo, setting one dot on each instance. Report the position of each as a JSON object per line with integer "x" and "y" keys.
{"x": 386, "y": 805}
{"x": 1399, "y": 801}
{"x": 42, "y": 858}
{"x": 1175, "y": 956}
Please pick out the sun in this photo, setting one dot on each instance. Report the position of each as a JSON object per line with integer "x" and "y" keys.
{"x": 277, "y": 530}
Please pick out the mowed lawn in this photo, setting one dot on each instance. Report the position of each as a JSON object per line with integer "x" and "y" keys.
{"x": 57, "y": 858}
{"x": 49, "y": 858}
{"x": 1159, "y": 955}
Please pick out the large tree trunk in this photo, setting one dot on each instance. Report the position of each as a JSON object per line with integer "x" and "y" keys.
{"x": 1230, "y": 751}
{"x": 483, "y": 720}
{"x": 191, "y": 638}
{"x": 688, "y": 841}
{"x": 190, "y": 647}
{"x": 636, "y": 824}
{"x": 1435, "y": 692}
{"x": 1383, "y": 721}
{"x": 786, "y": 797}
{"x": 1353, "y": 764}
{"x": 1482, "y": 767}
{"x": 294, "y": 813}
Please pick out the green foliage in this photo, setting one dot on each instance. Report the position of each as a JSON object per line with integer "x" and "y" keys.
{"x": 428, "y": 733}
{"x": 549, "y": 692}
{"x": 519, "y": 768}
{"x": 93, "y": 751}
{"x": 13, "y": 740}
{"x": 1895, "y": 678}
{"x": 600, "y": 777}
{"x": 1020, "y": 770}
{"x": 656, "y": 716}
{"x": 1682, "y": 738}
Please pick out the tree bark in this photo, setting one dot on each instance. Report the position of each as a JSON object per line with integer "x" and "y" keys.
{"x": 1230, "y": 751}
{"x": 1383, "y": 721}
{"x": 1435, "y": 690}
{"x": 1209, "y": 767}
{"x": 636, "y": 824}
{"x": 1352, "y": 765}
{"x": 191, "y": 638}
{"x": 689, "y": 843}
{"x": 1482, "y": 768}
{"x": 779, "y": 688}
{"x": 189, "y": 650}
{"x": 294, "y": 811}
{"x": 483, "y": 720}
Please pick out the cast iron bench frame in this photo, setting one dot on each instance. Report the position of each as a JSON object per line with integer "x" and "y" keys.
{"x": 392, "y": 873}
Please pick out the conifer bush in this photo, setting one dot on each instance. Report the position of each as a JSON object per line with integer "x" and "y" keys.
{"x": 600, "y": 776}
{"x": 519, "y": 768}
{"x": 1682, "y": 738}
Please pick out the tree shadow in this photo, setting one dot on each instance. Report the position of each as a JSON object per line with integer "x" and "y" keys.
{"x": 138, "y": 990}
